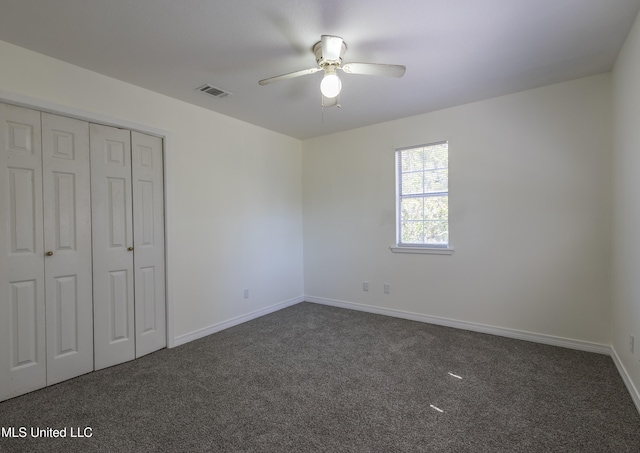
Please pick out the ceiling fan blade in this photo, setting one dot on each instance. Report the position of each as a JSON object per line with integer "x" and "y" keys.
{"x": 388, "y": 70}
{"x": 331, "y": 47}
{"x": 289, "y": 75}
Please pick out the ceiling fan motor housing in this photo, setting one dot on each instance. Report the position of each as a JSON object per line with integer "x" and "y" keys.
{"x": 322, "y": 60}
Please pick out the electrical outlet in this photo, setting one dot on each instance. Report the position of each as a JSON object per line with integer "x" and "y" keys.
{"x": 387, "y": 288}
{"x": 365, "y": 286}
{"x": 246, "y": 293}
{"x": 631, "y": 343}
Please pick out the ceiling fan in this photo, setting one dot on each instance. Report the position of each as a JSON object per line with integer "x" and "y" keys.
{"x": 329, "y": 52}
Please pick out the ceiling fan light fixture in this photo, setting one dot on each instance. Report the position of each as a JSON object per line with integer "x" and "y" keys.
{"x": 331, "y": 83}
{"x": 329, "y": 52}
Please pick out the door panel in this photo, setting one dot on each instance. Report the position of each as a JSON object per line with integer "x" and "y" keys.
{"x": 24, "y": 308}
{"x": 22, "y": 210}
{"x": 22, "y": 302}
{"x": 67, "y": 236}
{"x": 112, "y": 226}
{"x": 119, "y": 306}
{"x": 117, "y": 216}
{"x": 66, "y": 308}
{"x": 146, "y": 296}
{"x": 148, "y": 201}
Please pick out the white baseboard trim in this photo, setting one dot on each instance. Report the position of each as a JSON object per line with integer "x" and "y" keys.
{"x": 635, "y": 395}
{"x": 186, "y": 338}
{"x": 465, "y": 325}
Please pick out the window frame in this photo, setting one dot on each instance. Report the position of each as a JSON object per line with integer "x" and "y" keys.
{"x": 427, "y": 248}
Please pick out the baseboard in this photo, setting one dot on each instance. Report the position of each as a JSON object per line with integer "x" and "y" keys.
{"x": 465, "y": 325}
{"x": 186, "y": 338}
{"x": 635, "y": 395}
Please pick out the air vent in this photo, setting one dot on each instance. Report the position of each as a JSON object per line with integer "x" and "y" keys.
{"x": 214, "y": 91}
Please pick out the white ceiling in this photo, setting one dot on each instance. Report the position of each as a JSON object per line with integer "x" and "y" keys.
{"x": 455, "y": 51}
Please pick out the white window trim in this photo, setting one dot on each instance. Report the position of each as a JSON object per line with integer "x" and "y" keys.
{"x": 424, "y": 249}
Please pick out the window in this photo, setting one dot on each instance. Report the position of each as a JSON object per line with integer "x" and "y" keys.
{"x": 422, "y": 197}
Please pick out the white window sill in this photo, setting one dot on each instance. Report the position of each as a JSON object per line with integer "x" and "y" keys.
{"x": 422, "y": 250}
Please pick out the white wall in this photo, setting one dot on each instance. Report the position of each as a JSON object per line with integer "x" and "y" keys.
{"x": 235, "y": 190}
{"x": 626, "y": 206}
{"x": 530, "y": 221}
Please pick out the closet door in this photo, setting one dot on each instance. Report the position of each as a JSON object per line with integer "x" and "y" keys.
{"x": 67, "y": 243}
{"x": 22, "y": 304}
{"x": 148, "y": 234}
{"x": 112, "y": 226}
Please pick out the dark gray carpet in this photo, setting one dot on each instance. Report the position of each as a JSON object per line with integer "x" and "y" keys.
{"x": 317, "y": 378}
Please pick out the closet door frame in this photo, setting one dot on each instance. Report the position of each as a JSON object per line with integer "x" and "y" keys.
{"x": 108, "y": 120}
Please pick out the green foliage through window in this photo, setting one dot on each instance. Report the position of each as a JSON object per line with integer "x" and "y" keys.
{"x": 423, "y": 195}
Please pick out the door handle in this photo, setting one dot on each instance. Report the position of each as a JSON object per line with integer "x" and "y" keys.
{"x": 130, "y": 249}
{"x": 49, "y": 253}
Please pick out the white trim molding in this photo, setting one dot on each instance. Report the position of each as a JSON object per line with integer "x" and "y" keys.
{"x": 43, "y": 105}
{"x": 422, "y": 250}
{"x": 465, "y": 325}
{"x": 200, "y": 333}
{"x": 635, "y": 394}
